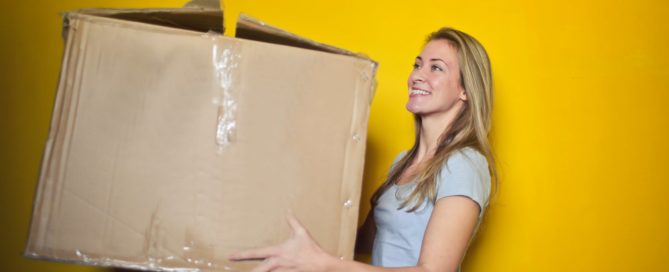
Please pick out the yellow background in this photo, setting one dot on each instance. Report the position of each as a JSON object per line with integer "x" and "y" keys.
{"x": 580, "y": 121}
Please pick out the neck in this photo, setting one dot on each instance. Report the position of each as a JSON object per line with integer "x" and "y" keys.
{"x": 433, "y": 126}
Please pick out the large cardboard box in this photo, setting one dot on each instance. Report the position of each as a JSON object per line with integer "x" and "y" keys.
{"x": 172, "y": 146}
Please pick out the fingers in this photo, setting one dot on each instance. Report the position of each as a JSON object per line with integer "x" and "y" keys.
{"x": 266, "y": 266}
{"x": 254, "y": 254}
{"x": 295, "y": 224}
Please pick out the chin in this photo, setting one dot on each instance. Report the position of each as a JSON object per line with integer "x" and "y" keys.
{"x": 412, "y": 108}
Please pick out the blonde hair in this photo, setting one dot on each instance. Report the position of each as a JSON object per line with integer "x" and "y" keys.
{"x": 470, "y": 128}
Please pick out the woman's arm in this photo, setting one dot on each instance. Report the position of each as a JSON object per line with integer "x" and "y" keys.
{"x": 451, "y": 226}
{"x": 448, "y": 233}
{"x": 366, "y": 233}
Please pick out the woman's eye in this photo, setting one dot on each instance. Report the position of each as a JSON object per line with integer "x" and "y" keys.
{"x": 436, "y": 68}
{"x": 416, "y": 66}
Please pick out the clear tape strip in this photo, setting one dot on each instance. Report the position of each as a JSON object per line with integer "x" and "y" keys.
{"x": 225, "y": 57}
{"x": 150, "y": 264}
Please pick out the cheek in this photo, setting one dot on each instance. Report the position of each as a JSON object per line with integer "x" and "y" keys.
{"x": 448, "y": 92}
{"x": 447, "y": 87}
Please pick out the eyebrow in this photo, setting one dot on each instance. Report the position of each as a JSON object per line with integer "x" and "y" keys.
{"x": 434, "y": 59}
{"x": 440, "y": 60}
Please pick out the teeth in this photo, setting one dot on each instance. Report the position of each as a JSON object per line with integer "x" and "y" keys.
{"x": 421, "y": 92}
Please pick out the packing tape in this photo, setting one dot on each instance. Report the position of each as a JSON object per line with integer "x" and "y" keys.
{"x": 225, "y": 58}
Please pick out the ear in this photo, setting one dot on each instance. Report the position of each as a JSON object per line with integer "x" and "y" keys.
{"x": 463, "y": 95}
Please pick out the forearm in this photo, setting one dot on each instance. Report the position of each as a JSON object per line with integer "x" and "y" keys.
{"x": 337, "y": 265}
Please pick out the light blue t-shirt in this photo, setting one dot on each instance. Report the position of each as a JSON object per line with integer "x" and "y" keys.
{"x": 399, "y": 234}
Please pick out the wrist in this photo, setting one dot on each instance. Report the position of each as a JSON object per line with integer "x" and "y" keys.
{"x": 332, "y": 263}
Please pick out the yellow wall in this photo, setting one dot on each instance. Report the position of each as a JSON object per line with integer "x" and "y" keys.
{"x": 581, "y": 117}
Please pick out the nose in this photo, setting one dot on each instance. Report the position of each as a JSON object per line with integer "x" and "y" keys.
{"x": 417, "y": 76}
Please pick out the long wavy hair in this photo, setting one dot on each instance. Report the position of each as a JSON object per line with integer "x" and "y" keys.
{"x": 470, "y": 128}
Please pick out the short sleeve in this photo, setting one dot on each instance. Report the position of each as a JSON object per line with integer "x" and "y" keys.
{"x": 466, "y": 174}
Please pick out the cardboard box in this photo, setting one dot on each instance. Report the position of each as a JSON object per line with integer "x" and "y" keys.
{"x": 172, "y": 146}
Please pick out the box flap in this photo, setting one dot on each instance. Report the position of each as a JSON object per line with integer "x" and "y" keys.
{"x": 197, "y": 15}
{"x": 253, "y": 29}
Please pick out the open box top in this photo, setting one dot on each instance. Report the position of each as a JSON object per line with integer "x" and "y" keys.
{"x": 206, "y": 16}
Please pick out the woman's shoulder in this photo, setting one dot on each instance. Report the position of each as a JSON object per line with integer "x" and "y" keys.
{"x": 467, "y": 155}
{"x": 466, "y": 173}
{"x": 467, "y": 161}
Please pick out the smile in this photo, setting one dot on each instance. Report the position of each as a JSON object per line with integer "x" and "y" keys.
{"x": 418, "y": 92}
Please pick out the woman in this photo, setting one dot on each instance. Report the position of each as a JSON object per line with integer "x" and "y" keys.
{"x": 436, "y": 193}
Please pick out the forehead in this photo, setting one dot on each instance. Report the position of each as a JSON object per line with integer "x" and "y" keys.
{"x": 440, "y": 49}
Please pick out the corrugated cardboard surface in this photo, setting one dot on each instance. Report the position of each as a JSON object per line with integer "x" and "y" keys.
{"x": 132, "y": 173}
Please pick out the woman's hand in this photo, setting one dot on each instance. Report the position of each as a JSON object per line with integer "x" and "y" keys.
{"x": 299, "y": 253}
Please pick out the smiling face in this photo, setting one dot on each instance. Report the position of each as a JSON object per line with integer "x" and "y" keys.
{"x": 434, "y": 84}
